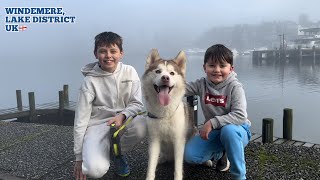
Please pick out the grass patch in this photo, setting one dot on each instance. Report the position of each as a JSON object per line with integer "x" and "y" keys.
{"x": 264, "y": 158}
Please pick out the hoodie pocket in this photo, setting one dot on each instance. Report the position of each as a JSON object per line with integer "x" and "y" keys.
{"x": 102, "y": 112}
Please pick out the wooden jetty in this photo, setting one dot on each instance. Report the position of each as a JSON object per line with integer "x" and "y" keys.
{"x": 256, "y": 137}
{"x": 267, "y": 132}
{"x": 61, "y": 112}
{"x": 279, "y": 56}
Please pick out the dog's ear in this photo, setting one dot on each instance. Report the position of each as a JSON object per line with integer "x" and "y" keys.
{"x": 153, "y": 57}
{"x": 181, "y": 60}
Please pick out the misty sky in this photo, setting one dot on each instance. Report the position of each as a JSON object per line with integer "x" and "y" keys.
{"x": 146, "y": 20}
{"x": 55, "y": 53}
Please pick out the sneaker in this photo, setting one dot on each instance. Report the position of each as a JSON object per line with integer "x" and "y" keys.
{"x": 122, "y": 166}
{"x": 223, "y": 164}
{"x": 208, "y": 163}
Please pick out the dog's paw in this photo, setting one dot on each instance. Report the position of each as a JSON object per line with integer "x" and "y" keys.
{"x": 150, "y": 178}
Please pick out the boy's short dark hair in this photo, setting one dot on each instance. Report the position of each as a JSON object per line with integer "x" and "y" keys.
{"x": 218, "y": 53}
{"x": 107, "y": 39}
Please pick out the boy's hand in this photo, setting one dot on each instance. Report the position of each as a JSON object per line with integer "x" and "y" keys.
{"x": 205, "y": 130}
{"x": 77, "y": 171}
{"x": 117, "y": 120}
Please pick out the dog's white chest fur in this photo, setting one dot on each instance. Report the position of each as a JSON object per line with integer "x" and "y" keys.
{"x": 167, "y": 128}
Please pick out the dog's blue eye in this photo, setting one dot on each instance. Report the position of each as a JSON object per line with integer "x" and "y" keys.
{"x": 172, "y": 73}
{"x": 158, "y": 71}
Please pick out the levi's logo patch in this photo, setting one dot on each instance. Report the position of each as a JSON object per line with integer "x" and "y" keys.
{"x": 216, "y": 100}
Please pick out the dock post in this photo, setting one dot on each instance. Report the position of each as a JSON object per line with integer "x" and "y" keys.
{"x": 287, "y": 124}
{"x": 267, "y": 130}
{"x": 259, "y": 58}
{"x": 66, "y": 94}
{"x": 19, "y": 100}
{"x": 32, "y": 107}
{"x": 193, "y": 109}
{"x": 275, "y": 56}
{"x": 61, "y": 106}
{"x": 300, "y": 55}
{"x": 254, "y": 57}
{"x": 314, "y": 54}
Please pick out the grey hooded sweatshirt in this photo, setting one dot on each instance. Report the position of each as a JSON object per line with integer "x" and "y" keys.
{"x": 102, "y": 96}
{"x": 222, "y": 104}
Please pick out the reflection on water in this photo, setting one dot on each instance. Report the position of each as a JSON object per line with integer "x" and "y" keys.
{"x": 269, "y": 87}
{"x": 272, "y": 87}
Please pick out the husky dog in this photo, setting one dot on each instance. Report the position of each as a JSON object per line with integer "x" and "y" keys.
{"x": 163, "y": 85}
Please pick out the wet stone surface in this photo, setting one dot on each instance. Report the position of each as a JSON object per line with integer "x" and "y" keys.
{"x": 34, "y": 151}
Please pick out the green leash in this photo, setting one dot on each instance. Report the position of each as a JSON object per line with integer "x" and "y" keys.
{"x": 115, "y": 137}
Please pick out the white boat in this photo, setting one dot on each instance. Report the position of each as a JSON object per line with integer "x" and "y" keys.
{"x": 195, "y": 51}
{"x": 308, "y": 37}
{"x": 247, "y": 52}
{"x": 235, "y": 52}
{"x": 201, "y": 52}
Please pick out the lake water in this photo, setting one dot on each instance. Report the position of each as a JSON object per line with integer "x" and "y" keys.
{"x": 269, "y": 88}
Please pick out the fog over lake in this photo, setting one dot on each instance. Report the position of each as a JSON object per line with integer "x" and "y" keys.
{"x": 46, "y": 56}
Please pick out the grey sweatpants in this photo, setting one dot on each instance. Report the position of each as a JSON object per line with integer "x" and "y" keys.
{"x": 96, "y": 145}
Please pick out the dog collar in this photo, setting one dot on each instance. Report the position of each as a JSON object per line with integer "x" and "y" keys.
{"x": 155, "y": 117}
{"x": 152, "y": 116}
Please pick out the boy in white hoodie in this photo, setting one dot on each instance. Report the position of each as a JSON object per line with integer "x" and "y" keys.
{"x": 110, "y": 93}
{"x": 226, "y": 129}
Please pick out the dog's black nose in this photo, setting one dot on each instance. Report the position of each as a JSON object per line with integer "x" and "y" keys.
{"x": 165, "y": 78}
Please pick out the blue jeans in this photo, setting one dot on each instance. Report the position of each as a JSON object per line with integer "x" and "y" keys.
{"x": 231, "y": 138}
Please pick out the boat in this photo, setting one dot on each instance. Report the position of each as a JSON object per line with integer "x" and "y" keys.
{"x": 201, "y": 52}
{"x": 235, "y": 52}
{"x": 248, "y": 52}
{"x": 308, "y": 37}
{"x": 195, "y": 51}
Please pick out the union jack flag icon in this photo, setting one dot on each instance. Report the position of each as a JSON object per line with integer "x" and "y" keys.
{"x": 22, "y": 28}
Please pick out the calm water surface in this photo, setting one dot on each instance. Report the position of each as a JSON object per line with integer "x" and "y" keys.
{"x": 269, "y": 88}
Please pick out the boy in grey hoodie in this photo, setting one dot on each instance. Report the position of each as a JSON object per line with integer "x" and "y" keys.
{"x": 110, "y": 93}
{"x": 226, "y": 129}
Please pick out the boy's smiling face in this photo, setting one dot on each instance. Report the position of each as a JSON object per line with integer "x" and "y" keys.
{"x": 217, "y": 72}
{"x": 109, "y": 57}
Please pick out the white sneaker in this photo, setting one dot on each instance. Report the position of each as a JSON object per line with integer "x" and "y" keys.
{"x": 223, "y": 164}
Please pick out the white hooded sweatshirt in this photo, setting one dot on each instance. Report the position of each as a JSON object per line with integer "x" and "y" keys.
{"x": 102, "y": 96}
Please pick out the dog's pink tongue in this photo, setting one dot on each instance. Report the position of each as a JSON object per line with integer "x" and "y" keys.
{"x": 164, "y": 96}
